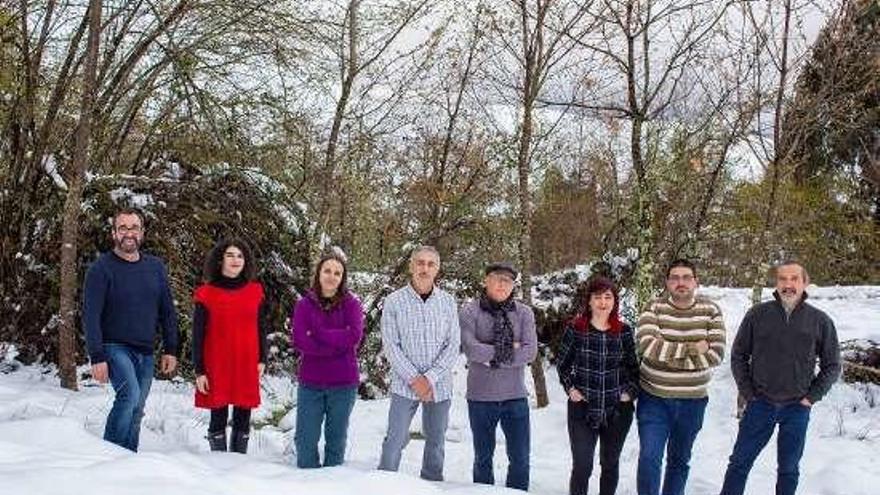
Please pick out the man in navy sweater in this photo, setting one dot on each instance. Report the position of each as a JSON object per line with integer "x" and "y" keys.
{"x": 126, "y": 294}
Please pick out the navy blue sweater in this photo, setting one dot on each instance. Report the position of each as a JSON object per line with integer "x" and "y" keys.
{"x": 124, "y": 301}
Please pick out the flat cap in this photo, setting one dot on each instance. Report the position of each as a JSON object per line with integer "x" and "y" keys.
{"x": 502, "y": 266}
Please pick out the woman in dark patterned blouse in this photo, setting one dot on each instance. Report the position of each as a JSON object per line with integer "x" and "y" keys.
{"x": 599, "y": 371}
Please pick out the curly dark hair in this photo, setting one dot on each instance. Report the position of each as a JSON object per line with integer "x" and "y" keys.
{"x": 213, "y": 268}
{"x": 343, "y": 284}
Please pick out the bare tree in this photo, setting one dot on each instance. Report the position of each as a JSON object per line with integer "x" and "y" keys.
{"x": 780, "y": 51}
{"x": 72, "y": 208}
{"x": 164, "y": 80}
{"x": 538, "y": 38}
{"x": 364, "y": 40}
{"x": 650, "y": 51}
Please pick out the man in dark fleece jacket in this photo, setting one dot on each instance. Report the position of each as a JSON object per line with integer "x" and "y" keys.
{"x": 774, "y": 364}
{"x": 126, "y": 295}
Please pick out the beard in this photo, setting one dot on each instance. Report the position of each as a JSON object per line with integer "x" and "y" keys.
{"x": 789, "y": 299}
{"x": 683, "y": 296}
{"x": 127, "y": 247}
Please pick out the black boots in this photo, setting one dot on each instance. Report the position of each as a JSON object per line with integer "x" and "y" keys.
{"x": 217, "y": 440}
{"x": 239, "y": 441}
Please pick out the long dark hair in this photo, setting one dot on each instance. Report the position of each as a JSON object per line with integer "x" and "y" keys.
{"x": 598, "y": 285}
{"x": 343, "y": 284}
{"x": 213, "y": 269}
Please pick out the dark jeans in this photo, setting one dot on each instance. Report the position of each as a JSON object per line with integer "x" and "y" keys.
{"x": 241, "y": 419}
{"x": 514, "y": 418}
{"x": 671, "y": 425}
{"x": 316, "y": 406}
{"x": 755, "y": 428}
{"x": 583, "y": 438}
{"x": 131, "y": 374}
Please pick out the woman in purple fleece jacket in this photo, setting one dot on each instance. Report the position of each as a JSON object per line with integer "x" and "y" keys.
{"x": 327, "y": 326}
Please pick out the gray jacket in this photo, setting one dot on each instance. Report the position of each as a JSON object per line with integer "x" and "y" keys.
{"x": 506, "y": 382}
{"x": 774, "y": 354}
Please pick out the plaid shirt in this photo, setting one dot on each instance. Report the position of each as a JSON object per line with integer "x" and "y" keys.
{"x": 421, "y": 338}
{"x": 601, "y": 366}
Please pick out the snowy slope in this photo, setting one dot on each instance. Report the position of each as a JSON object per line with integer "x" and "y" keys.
{"x": 50, "y": 438}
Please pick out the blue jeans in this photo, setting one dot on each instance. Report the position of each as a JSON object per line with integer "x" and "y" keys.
{"x": 435, "y": 419}
{"x": 131, "y": 373}
{"x": 314, "y": 406}
{"x": 755, "y": 428}
{"x": 671, "y": 425}
{"x": 514, "y": 418}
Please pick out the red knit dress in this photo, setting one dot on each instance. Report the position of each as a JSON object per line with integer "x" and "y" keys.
{"x": 231, "y": 348}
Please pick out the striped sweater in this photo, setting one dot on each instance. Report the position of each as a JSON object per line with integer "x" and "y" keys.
{"x": 667, "y": 336}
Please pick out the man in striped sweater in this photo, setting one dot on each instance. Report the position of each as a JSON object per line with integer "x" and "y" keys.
{"x": 680, "y": 338}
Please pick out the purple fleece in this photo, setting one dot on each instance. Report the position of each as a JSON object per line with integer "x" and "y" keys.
{"x": 327, "y": 341}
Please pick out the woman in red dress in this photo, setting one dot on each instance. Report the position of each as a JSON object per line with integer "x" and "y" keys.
{"x": 229, "y": 342}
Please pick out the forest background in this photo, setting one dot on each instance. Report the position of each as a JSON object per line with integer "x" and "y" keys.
{"x": 614, "y": 134}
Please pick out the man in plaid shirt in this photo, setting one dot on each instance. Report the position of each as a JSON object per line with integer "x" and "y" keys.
{"x": 420, "y": 337}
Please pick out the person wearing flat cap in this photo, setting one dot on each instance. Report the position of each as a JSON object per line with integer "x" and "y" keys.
{"x": 499, "y": 339}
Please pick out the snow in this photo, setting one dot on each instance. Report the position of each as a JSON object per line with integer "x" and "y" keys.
{"x": 50, "y": 438}
{"x": 290, "y": 219}
{"x": 173, "y": 171}
{"x": 50, "y": 166}
{"x": 339, "y": 252}
{"x": 138, "y": 200}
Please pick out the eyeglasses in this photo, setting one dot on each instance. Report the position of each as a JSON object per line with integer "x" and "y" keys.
{"x": 501, "y": 279}
{"x": 125, "y": 229}
{"x": 680, "y": 278}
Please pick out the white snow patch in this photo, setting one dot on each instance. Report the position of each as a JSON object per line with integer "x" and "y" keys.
{"x": 137, "y": 200}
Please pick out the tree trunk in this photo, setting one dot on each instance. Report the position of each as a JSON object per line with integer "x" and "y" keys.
{"x": 775, "y": 163}
{"x": 525, "y": 241}
{"x": 643, "y": 279}
{"x": 329, "y": 188}
{"x": 70, "y": 228}
{"x": 531, "y": 51}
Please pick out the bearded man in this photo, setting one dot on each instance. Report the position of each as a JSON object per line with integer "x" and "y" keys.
{"x": 774, "y": 360}
{"x": 126, "y": 296}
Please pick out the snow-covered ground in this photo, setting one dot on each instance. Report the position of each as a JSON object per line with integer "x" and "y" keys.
{"x": 50, "y": 439}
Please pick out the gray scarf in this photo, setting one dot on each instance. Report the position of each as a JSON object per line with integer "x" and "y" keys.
{"x": 502, "y": 328}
